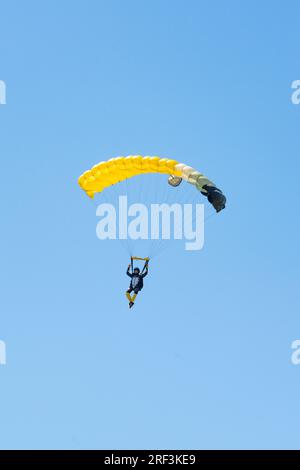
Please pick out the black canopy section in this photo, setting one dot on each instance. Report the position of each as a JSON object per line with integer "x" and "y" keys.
{"x": 215, "y": 197}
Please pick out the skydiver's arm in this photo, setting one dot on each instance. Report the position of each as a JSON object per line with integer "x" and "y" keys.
{"x": 145, "y": 273}
{"x": 128, "y": 272}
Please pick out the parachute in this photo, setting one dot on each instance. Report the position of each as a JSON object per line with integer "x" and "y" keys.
{"x": 115, "y": 170}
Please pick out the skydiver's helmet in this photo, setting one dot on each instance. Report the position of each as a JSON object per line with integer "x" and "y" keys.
{"x": 136, "y": 271}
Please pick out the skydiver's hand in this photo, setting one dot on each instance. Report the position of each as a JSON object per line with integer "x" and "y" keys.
{"x": 129, "y": 266}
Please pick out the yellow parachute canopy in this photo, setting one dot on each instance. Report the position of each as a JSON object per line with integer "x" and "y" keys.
{"x": 118, "y": 169}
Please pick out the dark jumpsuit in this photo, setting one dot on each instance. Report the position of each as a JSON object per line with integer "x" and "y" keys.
{"x": 140, "y": 283}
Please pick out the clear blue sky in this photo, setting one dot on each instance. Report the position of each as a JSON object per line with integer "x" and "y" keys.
{"x": 203, "y": 360}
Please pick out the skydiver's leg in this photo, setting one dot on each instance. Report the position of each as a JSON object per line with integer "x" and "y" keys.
{"x": 128, "y": 294}
{"x": 136, "y": 291}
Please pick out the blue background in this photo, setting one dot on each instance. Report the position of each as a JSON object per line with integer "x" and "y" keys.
{"x": 204, "y": 358}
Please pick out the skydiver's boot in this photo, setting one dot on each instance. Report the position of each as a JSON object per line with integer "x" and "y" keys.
{"x": 131, "y": 304}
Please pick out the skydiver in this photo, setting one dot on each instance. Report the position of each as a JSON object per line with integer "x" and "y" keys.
{"x": 136, "y": 283}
